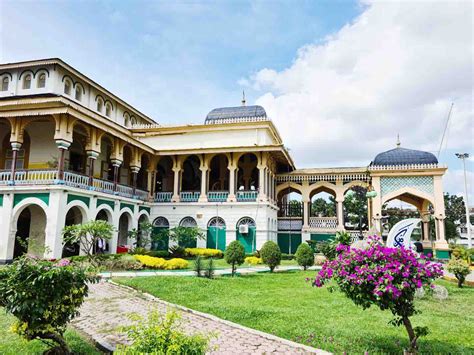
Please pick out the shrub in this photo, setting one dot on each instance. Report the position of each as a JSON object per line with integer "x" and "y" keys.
{"x": 210, "y": 269}
{"x": 185, "y": 236}
{"x": 43, "y": 310}
{"x": 271, "y": 255}
{"x": 204, "y": 252}
{"x": 138, "y": 251}
{"x": 384, "y": 277}
{"x": 158, "y": 253}
{"x": 234, "y": 255}
{"x": 198, "y": 266}
{"x": 88, "y": 235}
{"x": 160, "y": 335}
{"x": 177, "y": 251}
{"x": 125, "y": 262}
{"x": 329, "y": 248}
{"x": 160, "y": 263}
{"x": 253, "y": 260}
{"x": 460, "y": 269}
{"x": 304, "y": 256}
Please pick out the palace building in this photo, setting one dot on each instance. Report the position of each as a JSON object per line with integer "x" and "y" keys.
{"x": 72, "y": 151}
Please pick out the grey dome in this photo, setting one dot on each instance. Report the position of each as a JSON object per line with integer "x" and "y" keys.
{"x": 403, "y": 156}
{"x": 238, "y": 113}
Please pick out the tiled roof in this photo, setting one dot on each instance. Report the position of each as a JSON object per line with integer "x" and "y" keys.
{"x": 403, "y": 156}
{"x": 238, "y": 113}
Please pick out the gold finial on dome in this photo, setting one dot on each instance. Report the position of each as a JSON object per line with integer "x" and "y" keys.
{"x": 398, "y": 141}
{"x": 243, "y": 98}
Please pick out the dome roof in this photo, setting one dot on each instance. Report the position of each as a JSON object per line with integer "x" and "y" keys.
{"x": 403, "y": 156}
{"x": 236, "y": 114}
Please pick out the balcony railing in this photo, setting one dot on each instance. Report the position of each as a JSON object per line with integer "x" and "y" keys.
{"x": 103, "y": 186}
{"x": 290, "y": 224}
{"x": 246, "y": 196}
{"x": 163, "y": 196}
{"x": 323, "y": 223}
{"x": 189, "y": 196}
{"x": 35, "y": 177}
{"x": 76, "y": 180}
{"x": 217, "y": 196}
{"x": 73, "y": 179}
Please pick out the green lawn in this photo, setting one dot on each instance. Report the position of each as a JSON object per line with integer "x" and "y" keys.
{"x": 11, "y": 343}
{"x": 285, "y": 305}
{"x": 221, "y": 264}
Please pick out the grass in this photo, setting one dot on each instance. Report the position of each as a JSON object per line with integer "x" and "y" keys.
{"x": 285, "y": 305}
{"x": 221, "y": 264}
{"x": 12, "y": 343}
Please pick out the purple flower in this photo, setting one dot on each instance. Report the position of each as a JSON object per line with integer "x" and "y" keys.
{"x": 63, "y": 262}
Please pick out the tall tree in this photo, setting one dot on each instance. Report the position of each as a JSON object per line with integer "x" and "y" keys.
{"x": 355, "y": 207}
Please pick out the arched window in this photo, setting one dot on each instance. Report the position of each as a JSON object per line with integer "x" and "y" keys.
{"x": 5, "y": 82}
{"x": 246, "y": 221}
{"x": 78, "y": 93}
{"x": 67, "y": 87}
{"x": 42, "y": 80}
{"x": 27, "y": 82}
{"x": 108, "y": 110}
{"x": 100, "y": 104}
{"x": 161, "y": 222}
{"x": 188, "y": 222}
{"x": 126, "y": 120}
{"x": 216, "y": 222}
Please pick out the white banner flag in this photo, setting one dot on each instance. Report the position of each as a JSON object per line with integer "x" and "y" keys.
{"x": 401, "y": 232}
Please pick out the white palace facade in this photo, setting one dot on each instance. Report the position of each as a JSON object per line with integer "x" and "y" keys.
{"x": 71, "y": 151}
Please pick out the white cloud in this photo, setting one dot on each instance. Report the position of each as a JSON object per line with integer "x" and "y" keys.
{"x": 395, "y": 69}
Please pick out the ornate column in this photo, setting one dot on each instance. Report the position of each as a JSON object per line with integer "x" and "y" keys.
{"x": 176, "y": 184}
{"x": 135, "y": 170}
{"x": 232, "y": 171}
{"x": 306, "y": 209}
{"x": 63, "y": 145}
{"x": 92, "y": 156}
{"x": 203, "y": 195}
{"x": 16, "y": 146}
{"x": 425, "y": 220}
{"x": 116, "y": 164}
{"x": 261, "y": 182}
{"x": 340, "y": 213}
{"x": 151, "y": 181}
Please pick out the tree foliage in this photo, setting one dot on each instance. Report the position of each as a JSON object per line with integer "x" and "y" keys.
{"x": 304, "y": 256}
{"x": 44, "y": 297}
{"x": 88, "y": 235}
{"x": 322, "y": 207}
{"x": 271, "y": 254}
{"x": 234, "y": 255}
{"x": 355, "y": 208}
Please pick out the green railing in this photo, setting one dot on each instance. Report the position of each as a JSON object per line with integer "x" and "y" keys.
{"x": 189, "y": 196}
{"x": 163, "y": 196}
{"x": 217, "y": 196}
{"x": 246, "y": 196}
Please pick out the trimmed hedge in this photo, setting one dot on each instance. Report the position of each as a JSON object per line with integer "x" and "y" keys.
{"x": 160, "y": 263}
{"x": 204, "y": 252}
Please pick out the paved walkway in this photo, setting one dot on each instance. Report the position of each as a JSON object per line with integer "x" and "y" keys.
{"x": 226, "y": 271}
{"x": 107, "y": 306}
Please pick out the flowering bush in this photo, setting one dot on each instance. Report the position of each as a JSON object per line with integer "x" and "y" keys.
{"x": 204, "y": 252}
{"x": 253, "y": 260}
{"x": 160, "y": 263}
{"x": 384, "y": 277}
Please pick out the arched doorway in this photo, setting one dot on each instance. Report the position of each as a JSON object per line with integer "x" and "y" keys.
{"x": 247, "y": 176}
{"x": 142, "y": 238}
{"x": 106, "y": 168}
{"x": 246, "y": 233}
{"x": 191, "y": 175}
{"x": 30, "y": 232}
{"x": 73, "y": 216}
{"x": 188, "y": 222}
{"x": 161, "y": 228}
{"x": 125, "y": 222}
{"x": 142, "y": 176}
{"x": 290, "y": 218}
{"x": 216, "y": 234}
{"x": 76, "y": 158}
{"x": 105, "y": 215}
{"x": 164, "y": 180}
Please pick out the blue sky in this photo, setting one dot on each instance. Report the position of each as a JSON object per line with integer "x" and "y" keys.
{"x": 350, "y": 75}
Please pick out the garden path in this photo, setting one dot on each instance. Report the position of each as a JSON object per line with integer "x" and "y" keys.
{"x": 108, "y": 305}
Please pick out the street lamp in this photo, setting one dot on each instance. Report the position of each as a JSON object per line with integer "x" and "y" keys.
{"x": 463, "y": 157}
